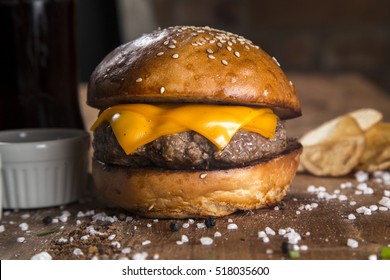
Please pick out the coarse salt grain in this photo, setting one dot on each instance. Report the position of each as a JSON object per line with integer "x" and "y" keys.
{"x": 383, "y": 208}
{"x": 206, "y": 241}
{"x": 311, "y": 189}
{"x": 42, "y": 256}
{"x": 102, "y": 216}
{"x": 64, "y": 216}
{"x": 23, "y": 226}
{"x": 116, "y": 244}
{"x": 373, "y": 257}
{"x": 265, "y": 239}
{"x": 303, "y": 247}
{"x": 191, "y": 221}
{"x": 232, "y": 226}
{"x": 368, "y": 191}
{"x": 352, "y": 243}
{"x": 385, "y": 201}
{"x": 386, "y": 193}
{"x": 93, "y": 231}
{"x": 373, "y": 207}
{"x": 78, "y": 252}
{"x": 363, "y": 210}
{"x": 361, "y": 176}
{"x": 200, "y": 225}
{"x": 186, "y": 225}
{"x": 84, "y": 237}
{"x": 343, "y": 197}
{"x": 111, "y": 237}
{"x": 230, "y": 221}
{"x": 2, "y": 228}
{"x": 269, "y": 251}
{"x": 148, "y": 225}
{"x": 62, "y": 240}
{"x": 146, "y": 242}
{"x": 20, "y": 239}
{"x": 282, "y": 231}
{"x": 156, "y": 256}
{"x": 276, "y": 208}
{"x": 362, "y": 186}
{"x": 217, "y": 234}
{"x": 351, "y": 217}
{"x": 269, "y": 231}
{"x": 293, "y": 237}
{"x": 346, "y": 185}
{"x": 126, "y": 250}
{"x": 184, "y": 238}
{"x": 321, "y": 189}
{"x": 140, "y": 256}
{"x": 261, "y": 234}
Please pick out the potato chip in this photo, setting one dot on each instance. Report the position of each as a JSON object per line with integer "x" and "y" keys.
{"x": 339, "y": 153}
{"x": 376, "y": 154}
{"x": 366, "y": 118}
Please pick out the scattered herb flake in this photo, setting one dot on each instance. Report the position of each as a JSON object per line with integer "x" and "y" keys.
{"x": 385, "y": 253}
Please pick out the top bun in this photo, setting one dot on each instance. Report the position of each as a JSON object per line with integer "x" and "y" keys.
{"x": 186, "y": 64}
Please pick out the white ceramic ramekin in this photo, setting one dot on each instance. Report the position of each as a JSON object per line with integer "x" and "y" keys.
{"x": 43, "y": 167}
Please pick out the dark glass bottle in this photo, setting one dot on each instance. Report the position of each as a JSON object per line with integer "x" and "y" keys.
{"x": 39, "y": 75}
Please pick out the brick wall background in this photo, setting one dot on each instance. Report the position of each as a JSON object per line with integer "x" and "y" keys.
{"x": 304, "y": 35}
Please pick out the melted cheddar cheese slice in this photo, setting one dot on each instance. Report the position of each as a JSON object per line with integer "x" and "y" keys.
{"x": 135, "y": 125}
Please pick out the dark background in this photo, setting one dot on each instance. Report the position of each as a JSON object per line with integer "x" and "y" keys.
{"x": 304, "y": 35}
{"x": 327, "y": 36}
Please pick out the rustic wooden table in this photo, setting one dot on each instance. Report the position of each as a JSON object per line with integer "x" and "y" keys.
{"x": 320, "y": 227}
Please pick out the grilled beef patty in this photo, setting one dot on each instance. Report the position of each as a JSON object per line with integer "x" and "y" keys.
{"x": 189, "y": 150}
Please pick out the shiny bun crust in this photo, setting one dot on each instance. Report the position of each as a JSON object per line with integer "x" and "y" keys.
{"x": 182, "y": 194}
{"x": 192, "y": 65}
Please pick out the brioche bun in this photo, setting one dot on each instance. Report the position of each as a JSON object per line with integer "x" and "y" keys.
{"x": 160, "y": 193}
{"x": 199, "y": 65}
{"x": 179, "y": 65}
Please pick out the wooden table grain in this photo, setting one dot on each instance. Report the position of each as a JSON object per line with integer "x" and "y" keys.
{"x": 322, "y": 225}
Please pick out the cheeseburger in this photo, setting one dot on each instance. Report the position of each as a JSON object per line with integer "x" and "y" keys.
{"x": 191, "y": 124}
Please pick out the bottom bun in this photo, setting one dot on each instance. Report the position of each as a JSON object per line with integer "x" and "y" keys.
{"x": 158, "y": 193}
